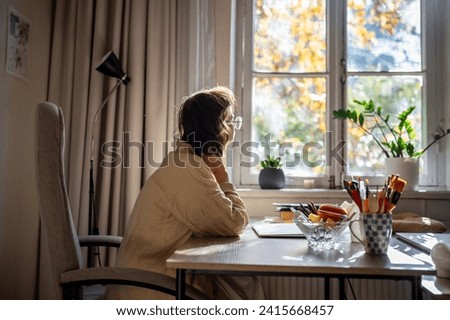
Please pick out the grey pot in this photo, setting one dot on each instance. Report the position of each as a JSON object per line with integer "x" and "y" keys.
{"x": 271, "y": 178}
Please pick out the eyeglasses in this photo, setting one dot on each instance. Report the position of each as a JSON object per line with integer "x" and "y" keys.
{"x": 237, "y": 123}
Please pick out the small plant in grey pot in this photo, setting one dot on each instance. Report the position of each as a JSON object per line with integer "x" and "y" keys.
{"x": 271, "y": 175}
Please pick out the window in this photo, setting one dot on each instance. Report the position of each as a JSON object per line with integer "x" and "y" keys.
{"x": 304, "y": 59}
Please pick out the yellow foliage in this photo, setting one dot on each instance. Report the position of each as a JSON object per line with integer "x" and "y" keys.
{"x": 293, "y": 140}
{"x": 306, "y": 31}
{"x": 356, "y": 132}
{"x": 322, "y": 126}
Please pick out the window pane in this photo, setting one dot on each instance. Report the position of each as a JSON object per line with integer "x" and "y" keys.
{"x": 394, "y": 94}
{"x": 384, "y": 35}
{"x": 290, "y": 113}
{"x": 290, "y": 36}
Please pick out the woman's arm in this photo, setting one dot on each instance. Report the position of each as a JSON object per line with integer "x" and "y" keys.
{"x": 200, "y": 194}
{"x": 218, "y": 169}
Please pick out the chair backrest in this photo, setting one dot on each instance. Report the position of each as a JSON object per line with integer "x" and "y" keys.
{"x": 54, "y": 208}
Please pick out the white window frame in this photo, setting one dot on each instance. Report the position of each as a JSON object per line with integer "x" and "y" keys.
{"x": 432, "y": 17}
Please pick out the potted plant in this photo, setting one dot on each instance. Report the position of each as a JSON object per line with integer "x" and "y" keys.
{"x": 271, "y": 175}
{"x": 397, "y": 141}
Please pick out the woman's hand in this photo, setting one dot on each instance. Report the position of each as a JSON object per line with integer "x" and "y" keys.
{"x": 218, "y": 169}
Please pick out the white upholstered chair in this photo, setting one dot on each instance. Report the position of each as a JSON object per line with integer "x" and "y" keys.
{"x": 57, "y": 222}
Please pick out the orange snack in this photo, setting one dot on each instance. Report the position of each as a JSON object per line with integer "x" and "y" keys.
{"x": 313, "y": 217}
{"x": 331, "y": 211}
{"x": 286, "y": 215}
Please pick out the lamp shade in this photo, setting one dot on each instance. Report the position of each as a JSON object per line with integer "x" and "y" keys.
{"x": 110, "y": 66}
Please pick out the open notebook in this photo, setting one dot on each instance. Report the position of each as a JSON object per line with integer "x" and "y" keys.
{"x": 270, "y": 229}
{"x": 423, "y": 241}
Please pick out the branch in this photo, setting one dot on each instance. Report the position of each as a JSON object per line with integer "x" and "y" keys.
{"x": 369, "y": 108}
{"x": 375, "y": 138}
{"x": 384, "y": 135}
{"x": 434, "y": 141}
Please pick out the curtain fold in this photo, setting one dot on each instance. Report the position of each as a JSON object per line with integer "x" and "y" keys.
{"x": 196, "y": 43}
{"x": 167, "y": 49}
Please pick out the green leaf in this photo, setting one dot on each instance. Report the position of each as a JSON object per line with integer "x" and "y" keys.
{"x": 418, "y": 153}
{"x": 403, "y": 116}
{"x": 410, "y": 130}
{"x": 371, "y": 106}
{"x": 361, "y": 119}
{"x": 401, "y": 144}
{"x": 354, "y": 116}
{"x": 379, "y": 128}
{"x": 271, "y": 162}
{"x": 394, "y": 149}
{"x": 410, "y": 149}
{"x": 340, "y": 114}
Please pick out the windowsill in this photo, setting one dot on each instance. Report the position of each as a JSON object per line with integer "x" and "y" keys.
{"x": 256, "y": 192}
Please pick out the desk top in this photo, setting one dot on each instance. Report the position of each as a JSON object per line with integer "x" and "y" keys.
{"x": 249, "y": 253}
{"x": 424, "y": 241}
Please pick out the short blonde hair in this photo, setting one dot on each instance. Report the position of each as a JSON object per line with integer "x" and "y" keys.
{"x": 204, "y": 120}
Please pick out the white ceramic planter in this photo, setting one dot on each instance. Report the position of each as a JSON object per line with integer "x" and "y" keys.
{"x": 407, "y": 168}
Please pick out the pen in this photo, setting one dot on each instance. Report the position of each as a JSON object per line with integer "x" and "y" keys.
{"x": 399, "y": 185}
{"x": 390, "y": 186}
{"x": 347, "y": 186}
{"x": 356, "y": 196}
{"x": 381, "y": 198}
{"x": 352, "y": 190}
{"x": 365, "y": 192}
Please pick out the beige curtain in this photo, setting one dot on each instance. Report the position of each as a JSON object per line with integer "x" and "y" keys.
{"x": 167, "y": 48}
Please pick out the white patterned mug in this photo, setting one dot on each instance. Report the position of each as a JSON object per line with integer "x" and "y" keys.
{"x": 375, "y": 230}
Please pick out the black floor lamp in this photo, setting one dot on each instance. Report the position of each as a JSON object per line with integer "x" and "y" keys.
{"x": 109, "y": 65}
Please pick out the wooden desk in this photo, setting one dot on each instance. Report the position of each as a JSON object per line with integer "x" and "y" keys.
{"x": 249, "y": 254}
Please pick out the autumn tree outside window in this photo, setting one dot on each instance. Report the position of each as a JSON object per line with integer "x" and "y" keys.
{"x": 304, "y": 59}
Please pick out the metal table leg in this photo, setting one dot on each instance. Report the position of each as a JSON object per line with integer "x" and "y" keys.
{"x": 416, "y": 290}
{"x": 180, "y": 284}
{"x": 342, "y": 289}
{"x": 327, "y": 288}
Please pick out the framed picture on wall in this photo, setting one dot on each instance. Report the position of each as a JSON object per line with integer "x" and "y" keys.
{"x": 17, "y": 51}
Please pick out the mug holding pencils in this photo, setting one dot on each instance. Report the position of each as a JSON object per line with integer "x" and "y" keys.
{"x": 376, "y": 232}
{"x": 375, "y": 222}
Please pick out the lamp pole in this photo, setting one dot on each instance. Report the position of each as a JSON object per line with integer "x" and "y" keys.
{"x": 110, "y": 66}
{"x": 92, "y": 223}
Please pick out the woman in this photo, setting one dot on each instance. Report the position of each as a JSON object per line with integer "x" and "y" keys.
{"x": 189, "y": 195}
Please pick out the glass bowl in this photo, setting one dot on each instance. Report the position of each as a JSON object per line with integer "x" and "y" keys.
{"x": 320, "y": 235}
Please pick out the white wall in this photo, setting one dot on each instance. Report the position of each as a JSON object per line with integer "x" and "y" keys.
{"x": 19, "y": 217}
